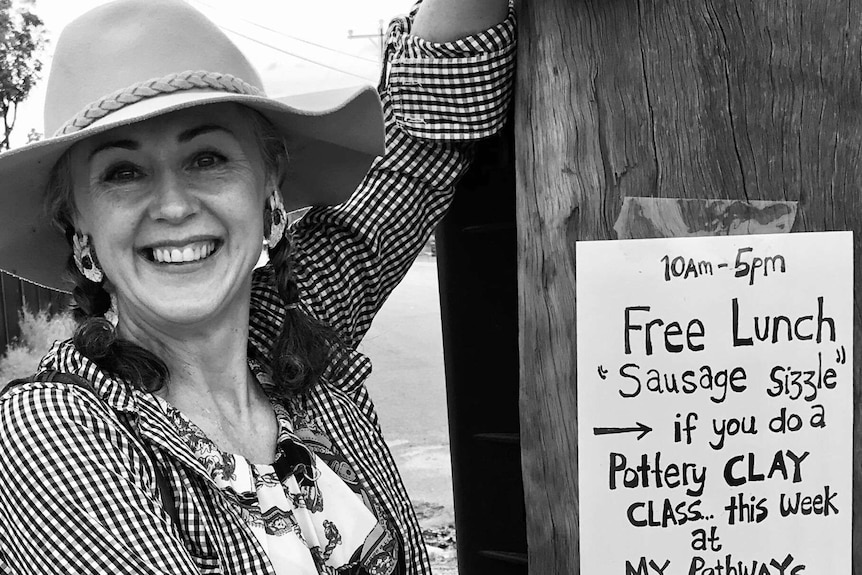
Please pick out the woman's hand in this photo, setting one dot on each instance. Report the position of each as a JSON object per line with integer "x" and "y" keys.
{"x": 448, "y": 20}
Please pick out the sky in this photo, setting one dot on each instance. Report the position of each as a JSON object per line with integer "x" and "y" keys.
{"x": 298, "y": 46}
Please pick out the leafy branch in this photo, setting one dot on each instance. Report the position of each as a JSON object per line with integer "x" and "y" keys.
{"x": 21, "y": 42}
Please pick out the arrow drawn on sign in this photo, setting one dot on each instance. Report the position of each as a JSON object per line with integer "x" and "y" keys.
{"x": 644, "y": 429}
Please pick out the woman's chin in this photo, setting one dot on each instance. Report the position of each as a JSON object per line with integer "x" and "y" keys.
{"x": 187, "y": 303}
{"x": 185, "y": 313}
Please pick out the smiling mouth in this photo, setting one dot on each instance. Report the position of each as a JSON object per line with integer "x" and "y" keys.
{"x": 188, "y": 253}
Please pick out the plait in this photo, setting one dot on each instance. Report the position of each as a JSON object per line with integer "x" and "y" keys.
{"x": 281, "y": 257}
{"x": 188, "y": 80}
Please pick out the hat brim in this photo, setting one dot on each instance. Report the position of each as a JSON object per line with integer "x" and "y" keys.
{"x": 333, "y": 139}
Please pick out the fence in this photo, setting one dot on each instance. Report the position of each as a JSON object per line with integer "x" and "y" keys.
{"x": 14, "y": 295}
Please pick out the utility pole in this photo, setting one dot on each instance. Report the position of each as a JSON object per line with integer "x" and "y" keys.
{"x": 380, "y": 36}
{"x": 720, "y": 99}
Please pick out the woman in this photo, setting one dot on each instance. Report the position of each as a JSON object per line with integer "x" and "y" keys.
{"x": 222, "y": 425}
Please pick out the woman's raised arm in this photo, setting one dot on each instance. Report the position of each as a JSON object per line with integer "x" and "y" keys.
{"x": 450, "y": 20}
{"x": 437, "y": 98}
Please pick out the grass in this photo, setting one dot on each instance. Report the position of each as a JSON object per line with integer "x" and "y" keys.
{"x": 38, "y": 332}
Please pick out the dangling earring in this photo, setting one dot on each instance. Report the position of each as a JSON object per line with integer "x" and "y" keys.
{"x": 85, "y": 259}
{"x": 275, "y": 219}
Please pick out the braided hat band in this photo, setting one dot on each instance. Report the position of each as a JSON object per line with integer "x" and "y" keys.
{"x": 188, "y": 80}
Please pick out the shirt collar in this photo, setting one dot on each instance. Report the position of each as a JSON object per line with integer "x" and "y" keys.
{"x": 64, "y": 357}
{"x": 139, "y": 407}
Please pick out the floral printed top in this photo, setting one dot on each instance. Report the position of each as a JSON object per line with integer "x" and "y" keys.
{"x": 309, "y": 521}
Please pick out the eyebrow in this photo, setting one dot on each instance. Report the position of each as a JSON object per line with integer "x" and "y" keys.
{"x": 185, "y": 136}
{"x": 193, "y": 133}
{"x": 124, "y": 144}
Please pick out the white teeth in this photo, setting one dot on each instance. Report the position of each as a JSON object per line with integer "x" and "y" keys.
{"x": 190, "y": 253}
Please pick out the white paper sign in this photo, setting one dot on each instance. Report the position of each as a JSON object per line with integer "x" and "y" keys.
{"x": 715, "y": 405}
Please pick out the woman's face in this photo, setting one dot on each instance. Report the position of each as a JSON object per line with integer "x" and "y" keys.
{"x": 174, "y": 207}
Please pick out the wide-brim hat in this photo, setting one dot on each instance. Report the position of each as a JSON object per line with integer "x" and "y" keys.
{"x": 131, "y": 60}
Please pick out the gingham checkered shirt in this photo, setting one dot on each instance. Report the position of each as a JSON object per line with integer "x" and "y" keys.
{"x": 77, "y": 491}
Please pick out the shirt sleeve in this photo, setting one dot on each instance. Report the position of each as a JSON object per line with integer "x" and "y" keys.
{"x": 74, "y": 497}
{"x": 437, "y": 98}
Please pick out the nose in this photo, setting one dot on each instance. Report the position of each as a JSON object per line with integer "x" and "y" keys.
{"x": 173, "y": 199}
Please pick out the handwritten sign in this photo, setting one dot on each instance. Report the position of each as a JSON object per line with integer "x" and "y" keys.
{"x": 715, "y": 405}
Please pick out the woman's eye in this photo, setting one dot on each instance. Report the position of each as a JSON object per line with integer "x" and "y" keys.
{"x": 121, "y": 173}
{"x": 208, "y": 160}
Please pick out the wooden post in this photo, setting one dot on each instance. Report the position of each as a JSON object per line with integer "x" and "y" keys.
{"x": 713, "y": 99}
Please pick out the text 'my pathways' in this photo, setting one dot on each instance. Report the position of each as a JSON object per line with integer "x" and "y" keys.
{"x": 715, "y": 405}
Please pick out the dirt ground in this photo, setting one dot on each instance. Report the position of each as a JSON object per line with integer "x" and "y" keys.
{"x": 408, "y": 388}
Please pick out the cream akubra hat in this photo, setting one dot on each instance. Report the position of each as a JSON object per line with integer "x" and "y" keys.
{"x": 131, "y": 60}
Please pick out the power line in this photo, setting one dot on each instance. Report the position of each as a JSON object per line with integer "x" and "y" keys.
{"x": 240, "y": 34}
{"x": 298, "y": 39}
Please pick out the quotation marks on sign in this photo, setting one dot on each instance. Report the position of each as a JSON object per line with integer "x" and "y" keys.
{"x": 841, "y": 356}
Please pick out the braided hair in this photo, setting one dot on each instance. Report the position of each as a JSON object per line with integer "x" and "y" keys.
{"x": 303, "y": 350}
{"x": 305, "y": 346}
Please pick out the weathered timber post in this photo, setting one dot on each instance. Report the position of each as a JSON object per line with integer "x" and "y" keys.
{"x": 715, "y": 99}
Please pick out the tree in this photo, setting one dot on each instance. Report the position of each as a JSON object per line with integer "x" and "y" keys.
{"x": 21, "y": 41}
